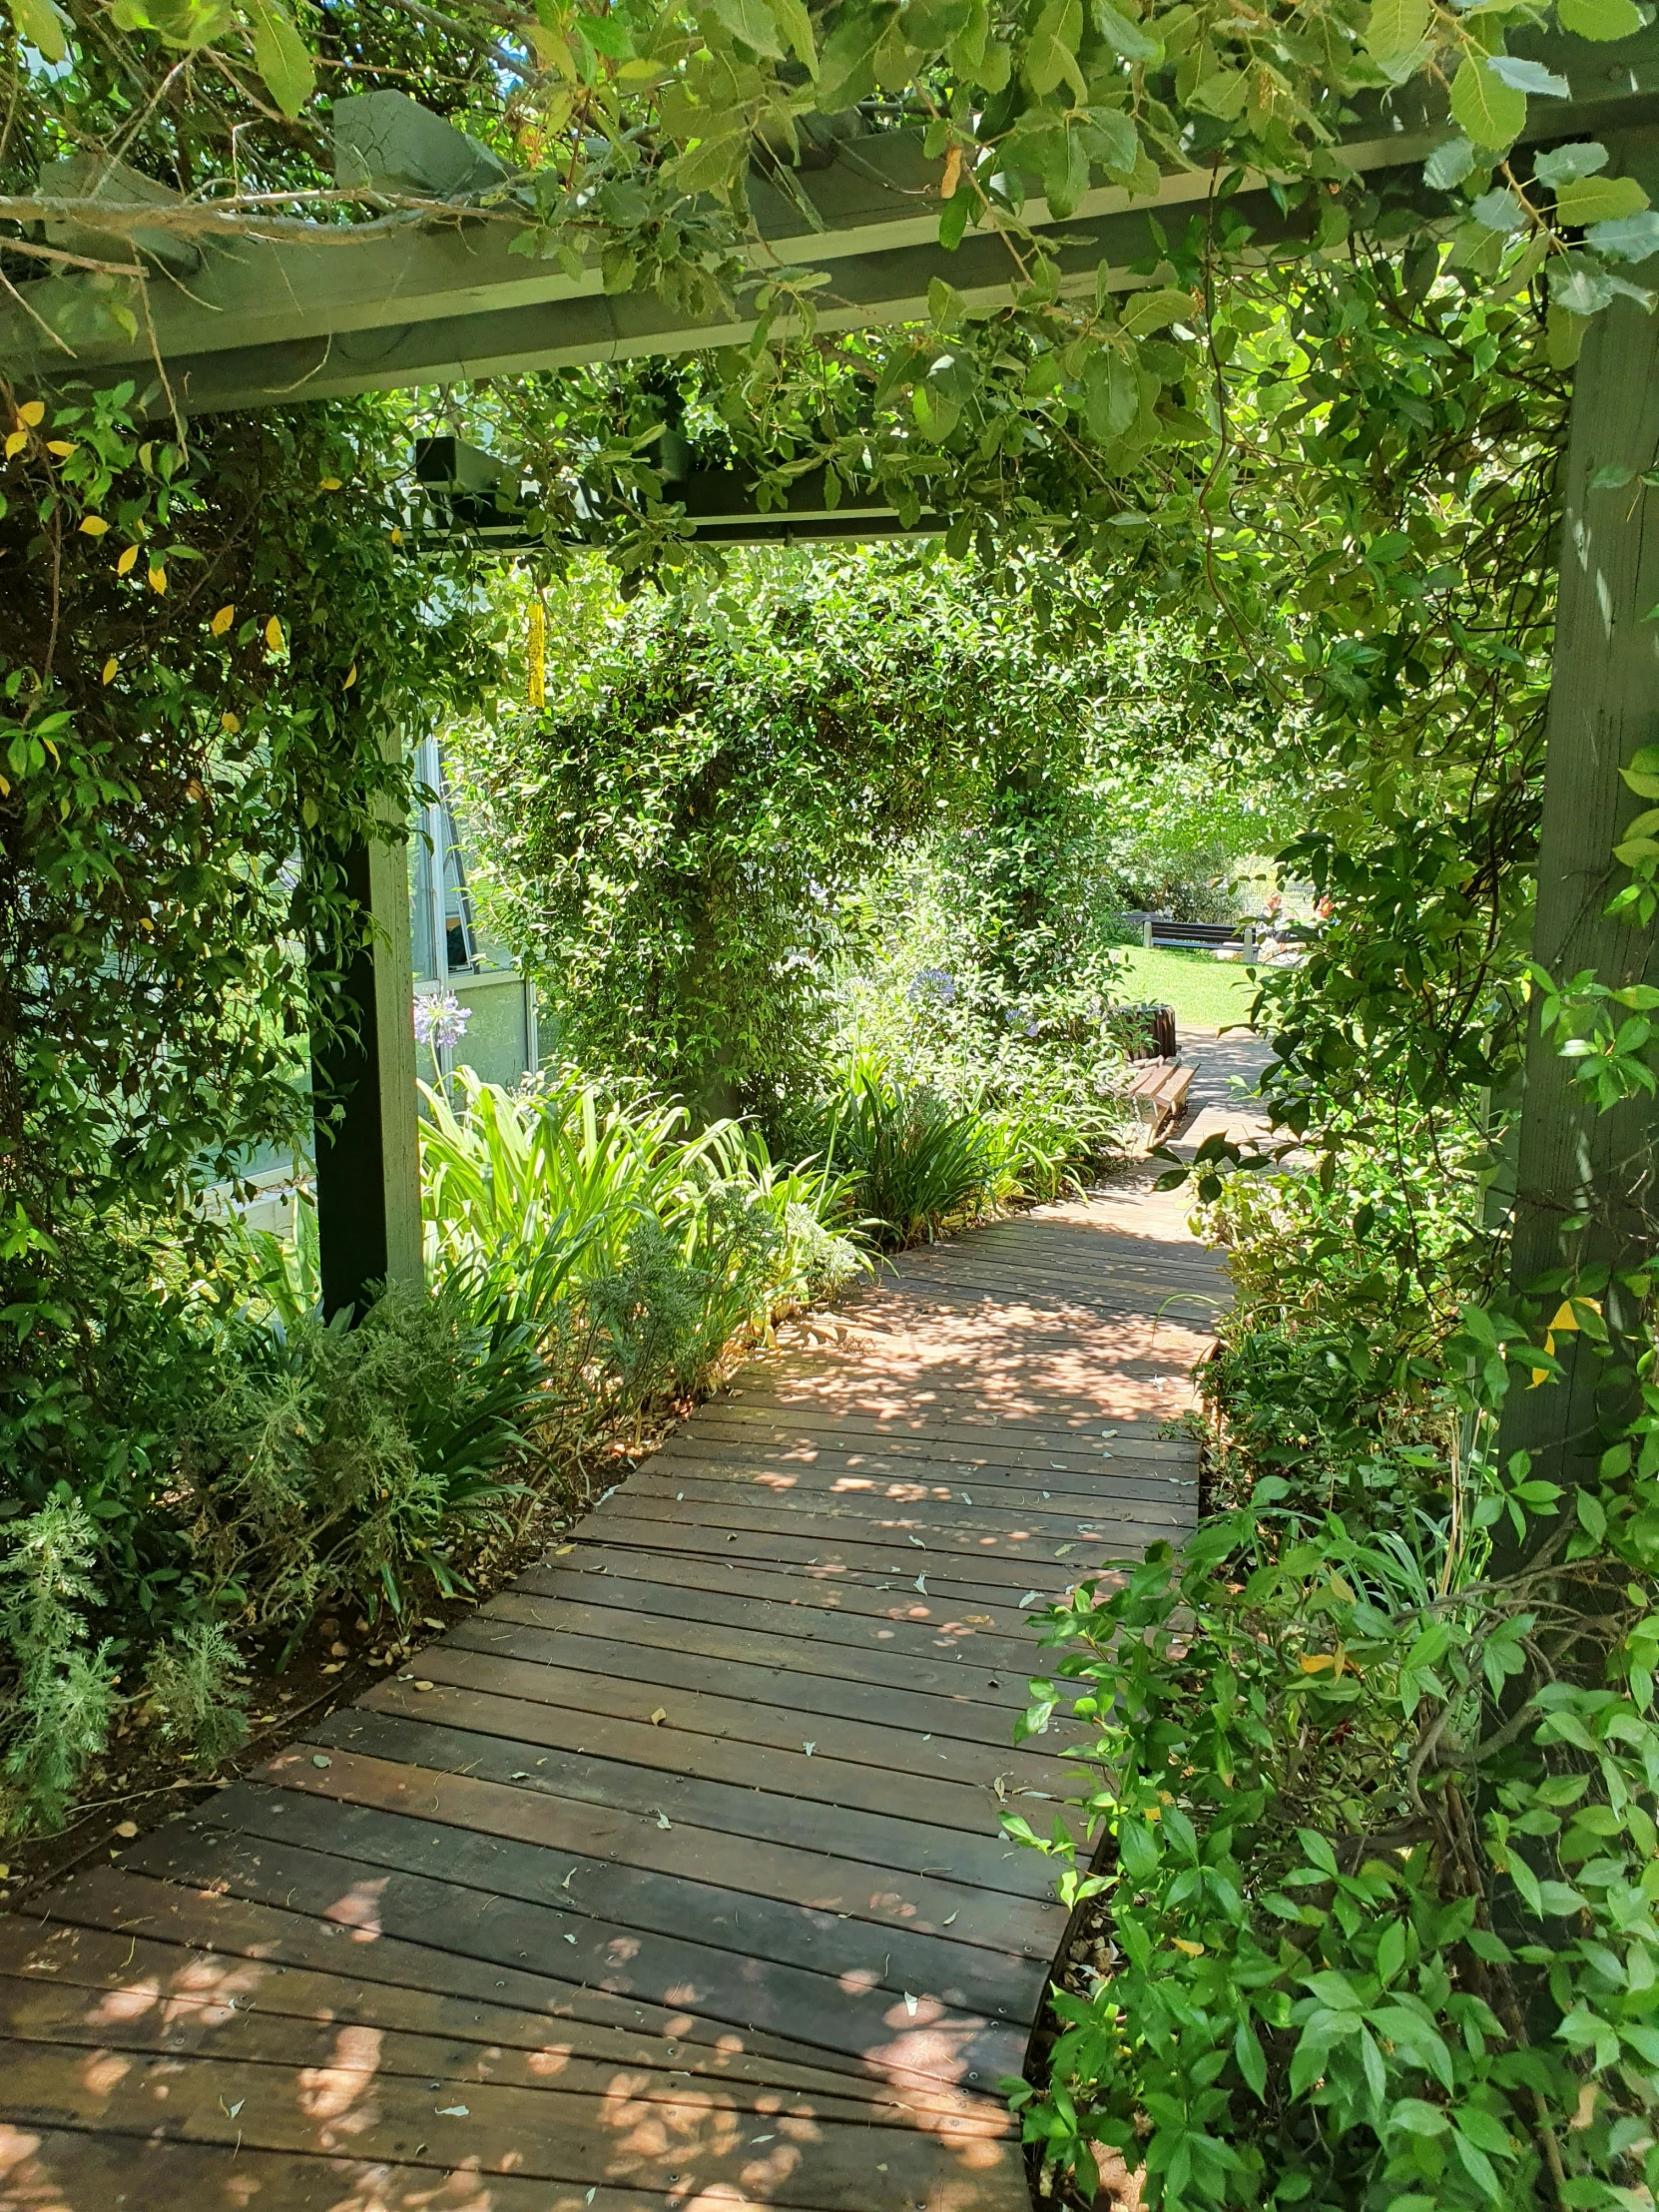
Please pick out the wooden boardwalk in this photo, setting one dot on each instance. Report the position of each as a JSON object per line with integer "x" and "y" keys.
{"x": 670, "y": 1880}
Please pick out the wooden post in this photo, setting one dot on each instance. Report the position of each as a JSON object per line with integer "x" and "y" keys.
{"x": 368, "y": 1159}
{"x": 1583, "y": 1178}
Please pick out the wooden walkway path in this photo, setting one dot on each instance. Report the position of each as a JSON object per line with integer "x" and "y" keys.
{"x": 672, "y": 1879}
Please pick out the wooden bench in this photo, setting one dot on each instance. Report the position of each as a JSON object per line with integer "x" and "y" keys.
{"x": 1159, "y": 1093}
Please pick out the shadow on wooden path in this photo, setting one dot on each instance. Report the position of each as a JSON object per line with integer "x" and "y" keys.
{"x": 672, "y": 1879}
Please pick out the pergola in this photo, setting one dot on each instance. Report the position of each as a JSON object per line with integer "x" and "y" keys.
{"x": 436, "y": 293}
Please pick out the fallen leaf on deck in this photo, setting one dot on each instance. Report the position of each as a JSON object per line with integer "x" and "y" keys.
{"x": 809, "y": 1749}
{"x": 659, "y": 1716}
{"x": 318, "y": 1760}
{"x": 451, "y": 2111}
{"x": 127, "y": 1828}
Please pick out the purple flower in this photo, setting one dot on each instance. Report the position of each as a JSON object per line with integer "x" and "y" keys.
{"x": 934, "y": 982}
{"x": 439, "y": 1019}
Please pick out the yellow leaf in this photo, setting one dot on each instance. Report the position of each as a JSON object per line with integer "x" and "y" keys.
{"x": 15, "y": 443}
{"x": 126, "y": 1829}
{"x": 1193, "y": 1950}
{"x": 330, "y": 483}
{"x": 659, "y": 1716}
{"x": 1539, "y": 1375}
{"x": 94, "y": 525}
{"x": 156, "y": 580}
{"x": 273, "y": 635}
{"x": 1312, "y": 1662}
{"x": 32, "y": 412}
{"x": 123, "y": 567}
{"x": 145, "y": 923}
{"x": 60, "y": 446}
{"x": 223, "y": 621}
{"x": 109, "y": 667}
{"x": 351, "y": 677}
{"x": 232, "y": 723}
{"x": 5, "y": 789}
{"x": 396, "y": 536}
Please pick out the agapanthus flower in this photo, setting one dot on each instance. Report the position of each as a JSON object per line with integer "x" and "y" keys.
{"x": 439, "y": 1019}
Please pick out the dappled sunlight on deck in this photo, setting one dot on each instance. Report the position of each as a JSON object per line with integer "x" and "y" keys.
{"x": 672, "y": 1878}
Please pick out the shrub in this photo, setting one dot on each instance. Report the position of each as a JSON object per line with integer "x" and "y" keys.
{"x": 918, "y": 1161}
{"x": 336, "y": 1459}
{"x": 57, "y": 1715}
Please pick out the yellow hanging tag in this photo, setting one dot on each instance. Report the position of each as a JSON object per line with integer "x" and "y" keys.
{"x": 538, "y": 654}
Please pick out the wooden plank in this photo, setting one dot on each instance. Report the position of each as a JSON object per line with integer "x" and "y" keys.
{"x": 959, "y": 1421}
{"x": 926, "y": 1902}
{"x": 348, "y": 1855}
{"x": 952, "y": 1619}
{"x": 760, "y": 1793}
{"x": 33, "y": 2011}
{"x": 1043, "y": 1569}
{"x": 243, "y": 1937}
{"x": 713, "y": 1891}
{"x": 836, "y": 1480}
{"x": 966, "y": 1537}
{"x": 67, "y": 2170}
{"x": 937, "y": 1510}
{"x": 812, "y": 1612}
{"x": 687, "y": 2142}
{"x": 122, "y": 1989}
{"x": 756, "y": 1641}
{"x": 749, "y": 1416}
{"x": 750, "y": 1704}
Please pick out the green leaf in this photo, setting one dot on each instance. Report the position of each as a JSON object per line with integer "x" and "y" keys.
{"x": 1131, "y": 40}
{"x": 1222, "y": 94}
{"x": 1564, "y": 163}
{"x": 1449, "y": 164}
{"x": 1587, "y": 199}
{"x": 1319, "y": 1850}
{"x": 1051, "y": 56}
{"x": 1415, "y": 2116}
{"x": 281, "y": 57}
{"x": 608, "y": 35}
{"x": 1111, "y": 394}
{"x": 1151, "y": 310}
{"x": 1499, "y": 211}
{"x": 752, "y": 22}
{"x": 40, "y": 23}
{"x": 1521, "y": 75}
{"x": 1396, "y": 27}
{"x": 1599, "y": 19}
{"x": 847, "y": 68}
{"x": 1391, "y": 1950}
{"x": 797, "y": 27}
{"x": 1492, "y": 113}
{"x": 1633, "y": 237}
{"x": 1111, "y": 139}
{"x": 1253, "y": 2064}
{"x": 712, "y": 162}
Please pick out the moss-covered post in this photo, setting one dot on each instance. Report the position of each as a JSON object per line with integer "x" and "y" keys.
{"x": 1583, "y": 1194}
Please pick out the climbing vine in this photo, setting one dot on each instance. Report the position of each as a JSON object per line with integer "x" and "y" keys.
{"x": 202, "y": 656}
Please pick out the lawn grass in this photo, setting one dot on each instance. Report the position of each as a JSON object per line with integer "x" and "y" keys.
{"x": 1205, "y": 992}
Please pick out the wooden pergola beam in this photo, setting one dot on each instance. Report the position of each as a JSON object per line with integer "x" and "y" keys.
{"x": 317, "y": 311}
